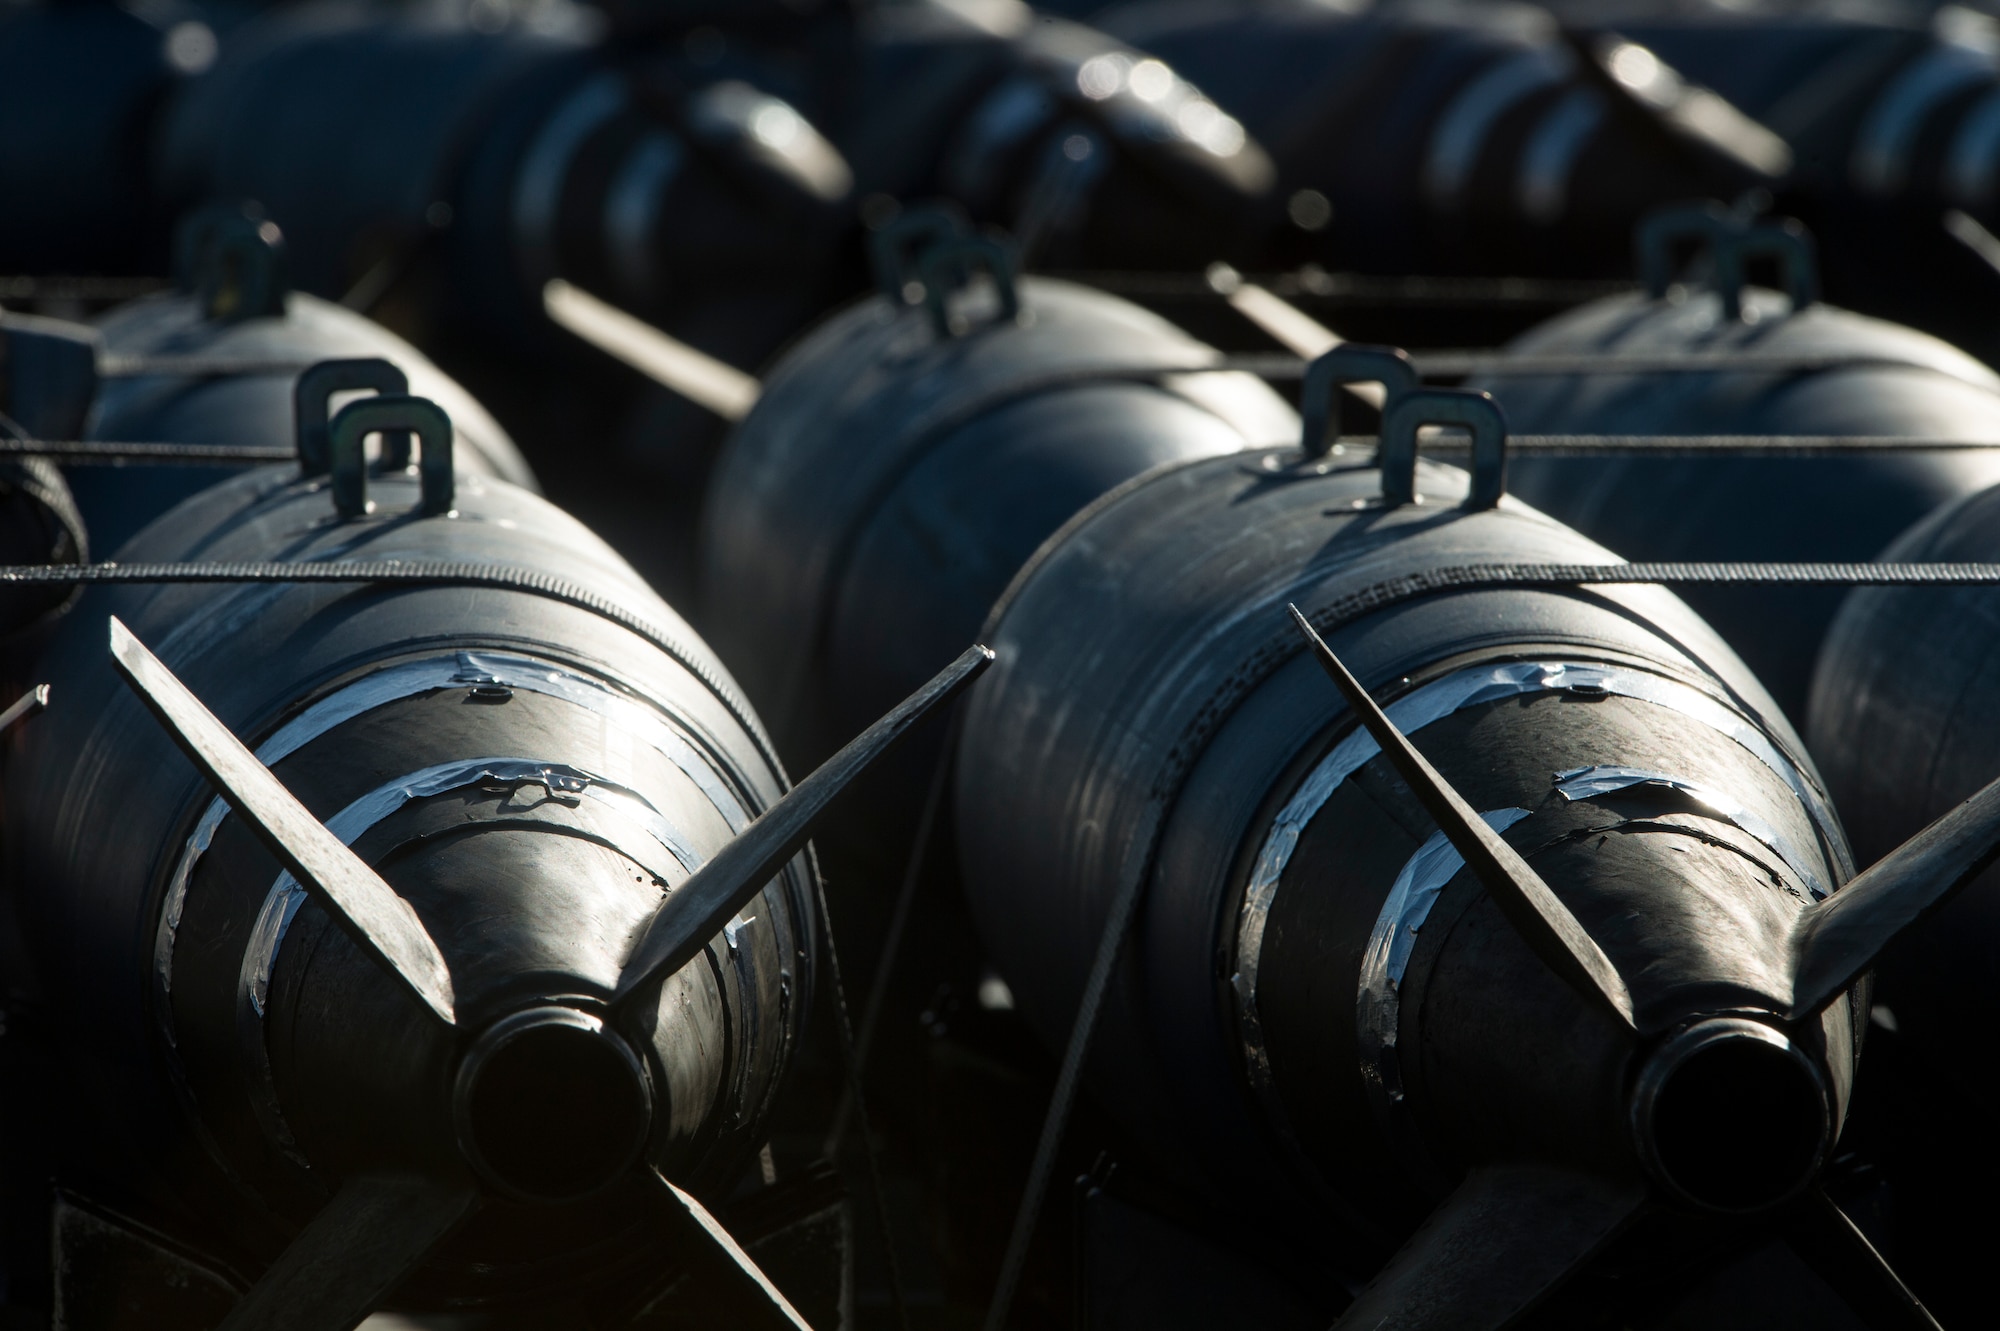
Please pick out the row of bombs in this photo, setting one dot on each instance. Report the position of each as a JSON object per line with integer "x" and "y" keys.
{"x": 713, "y": 175}
{"x": 1508, "y": 138}
{"x": 1398, "y": 120}
{"x": 1604, "y": 1071}
{"x": 211, "y": 367}
{"x": 1056, "y": 472}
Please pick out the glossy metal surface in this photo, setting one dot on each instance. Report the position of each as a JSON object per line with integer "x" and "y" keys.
{"x": 235, "y": 1060}
{"x": 1073, "y": 140}
{"x": 1903, "y": 719}
{"x": 495, "y": 154}
{"x": 352, "y": 890}
{"x": 1190, "y": 717}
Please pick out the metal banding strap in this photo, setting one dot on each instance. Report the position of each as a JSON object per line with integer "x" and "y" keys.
{"x": 1449, "y": 363}
{"x": 1440, "y": 698}
{"x": 1582, "y": 783}
{"x": 1189, "y": 385}
{"x": 1389, "y": 591}
{"x": 88, "y": 452}
{"x": 545, "y": 168}
{"x": 1882, "y": 146}
{"x": 632, "y": 211}
{"x": 1549, "y": 158}
{"x": 115, "y": 366}
{"x": 1462, "y": 128}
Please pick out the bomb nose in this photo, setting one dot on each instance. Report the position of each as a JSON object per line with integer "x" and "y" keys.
{"x": 1731, "y": 1115}
{"x": 551, "y": 1105}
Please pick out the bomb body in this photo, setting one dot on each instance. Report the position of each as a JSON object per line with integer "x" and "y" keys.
{"x": 1897, "y": 383}
{"x": 532, "y": 777}
{"x": 1322, "y": 1022}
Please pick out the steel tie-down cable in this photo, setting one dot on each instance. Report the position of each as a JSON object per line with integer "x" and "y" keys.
{"x": 95, "y": 452}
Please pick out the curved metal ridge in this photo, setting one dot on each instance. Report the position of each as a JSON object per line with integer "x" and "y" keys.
{"x": 1470, "y": 687}
{"x": 405, "y": 679}
{"x": 1378, "y": 999}
{"x": 1143, "y": 843}
{"x": 285, "y": 896}
{"x": 1582, "y": 783}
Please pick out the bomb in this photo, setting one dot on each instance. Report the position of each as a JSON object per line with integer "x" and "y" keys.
{"x": 1902, "y": 724}
{"x": 501, "y": 925}
{"x": 1093, "y": 153}
{"x": 1892, "y": 115}
{"x": 484, "y": 161}
{"x": 905, "y": 458}
{"x": 1638, "y": 1005}
{"x": 1456, "y": 138}
{"x": 1895, "y": 382}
